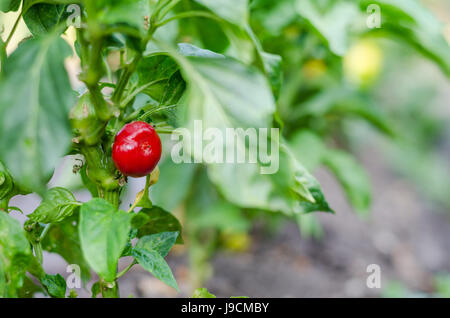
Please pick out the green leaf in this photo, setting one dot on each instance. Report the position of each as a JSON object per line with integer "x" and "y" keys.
{"x": 57, "y": 204}
{"x": 270, "y": 64}
{"x": 15, "y": 255}
{"x": 174, "y": 185}
{"x": 103, "y": 234}
{"x": 174, "y": 89}
{"x": 62, "y": 238}
{"x": 208, "y": 32}
{"x": 168, "y": 93}
{"x": 273, "y": 68}
{"x": 202, "y": 293}
{"x": 352, "y": 177}
{"x": 139, "y": 220}
{"x": 220, "y": 215}
{"x": 311, "y": 150}
{"x": 55, "y": 285}
{"x": 189, "y": 50}
{"x": 9, "y": 5}
{"x": 42, "y": 18}
{"x": 332, "y": 23}
{"x": 96, "y": 290}
{"x": 35, "y": 268}
{"x": 414, "y": 23}
{"x": 160, "y": 242}
{"x": 308, "y": 148}
{"x": 159, "y": 221}
{"x": 344, "y": 103}
{"x": 223, "y": 93}
{"x": 292, "y": 189}
{"x": 131, "y": 12}
{"x": 309, "y": 226}
{"x": 34, "y": 107}
{"x": 233, "y": 11}
{"x": 274, "y": 16}
{"x": 28, "y": 289}
{"x": 154, "y": 263}
{"x": 156, "y": 68}
{"x": 6, "y": 182}
{"x": 129, "y": 246}
{"x": 442, "y": 285}
{"x": 234, "y": 24}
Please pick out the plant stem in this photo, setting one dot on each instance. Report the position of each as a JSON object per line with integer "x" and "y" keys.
{"x": 169, "y": 7}
{"x": 84, "y": 46}
{"x": 112, "y": 197}
{"x": 136, "y": 114}
{"x": 109, "y": 290}
{"x": 147, "y": 184}
{"x": 124, "y": 78}
{"x": 13, "y": 30}
{"x": 129, "y": 70}
{"x": 130, "y": 97}
{"x": 160, "y": 6}
{"x": 38, "y": 251}
{"x": 164, "y": 131}
{"x": 2, "y": 53}
{"x": 92, "y": 72}
{"x": 134, "y": 262}
{"x": 45, "y": 231}
{"x": 189, "y": 14}
{"x": 99, "y": 169}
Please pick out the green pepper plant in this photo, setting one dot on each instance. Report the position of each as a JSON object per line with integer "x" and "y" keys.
{"x": 147, "y": 68}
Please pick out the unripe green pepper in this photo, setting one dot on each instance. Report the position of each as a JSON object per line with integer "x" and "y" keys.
{"x": 84, "y": 121}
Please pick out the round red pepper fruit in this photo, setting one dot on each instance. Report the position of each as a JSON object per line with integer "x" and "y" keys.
{"x": 136, "y": 149}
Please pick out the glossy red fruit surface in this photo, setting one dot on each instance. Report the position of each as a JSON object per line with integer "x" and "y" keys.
{"x": 136, "y": 149}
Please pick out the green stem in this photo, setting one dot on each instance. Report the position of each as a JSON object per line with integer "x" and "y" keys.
{"x": 134, "y": 262}
{"x": 38, "y": 251}
{"x": 160, "y": 6}
{"x": 169, "y": 7}
{"x": 124, "y": 78}
{"x": 2, "y": 53}
{"x": 136, "y": 114}
{"x": 189, "y": 14}
{"x": 13, "y": 30}
{"x": 92, "y": 72}
{"x": 130, "y": 97}
{"x": 109, "y": 290}
{"x": 45, "y": 231}
{"x": 112, "y": 197}
{"x": 147, "y": 186}
{"x": 92, "y": 77}
{"x": 164, "y": 131}
{"x": 102, "y": 109}
{"x": 122, "y": 29}
{"x": 129, "y": 70}
{"x": 84, "y": 46}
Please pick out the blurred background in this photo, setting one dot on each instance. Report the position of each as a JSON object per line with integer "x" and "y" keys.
{"x": 366, "y": 109}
